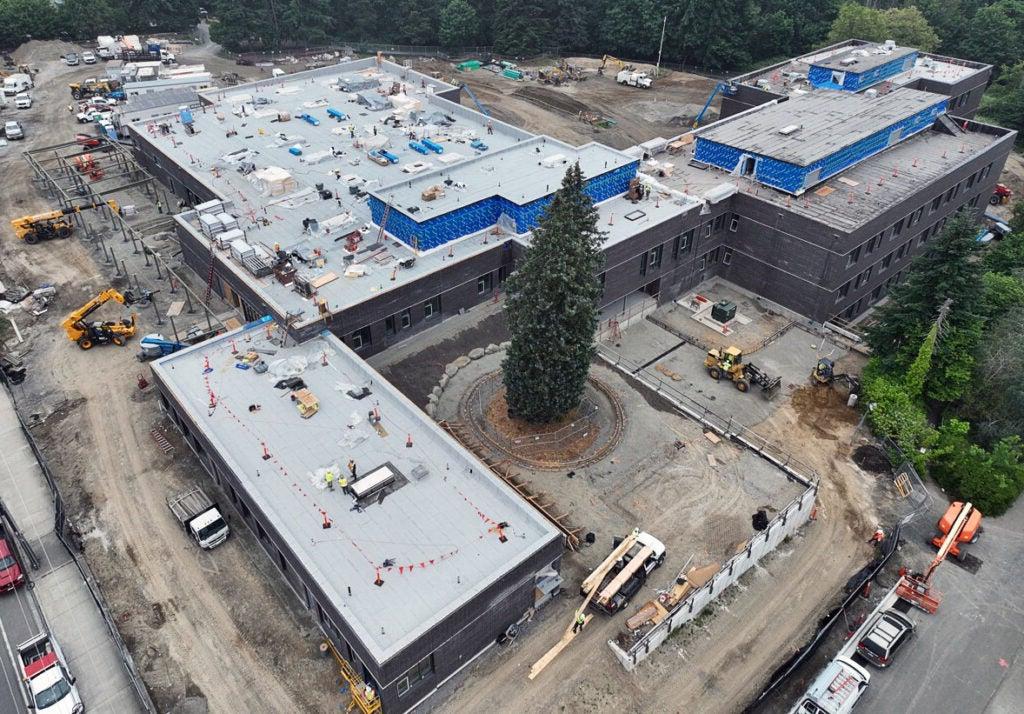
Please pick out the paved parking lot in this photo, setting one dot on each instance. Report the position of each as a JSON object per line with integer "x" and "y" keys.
{"x": 968, "y": 656}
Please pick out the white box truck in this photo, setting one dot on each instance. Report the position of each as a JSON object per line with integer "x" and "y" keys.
{"x": 44, "y": 673}
{"x": 200, "y": 517}
{"x": 16, "y": 84}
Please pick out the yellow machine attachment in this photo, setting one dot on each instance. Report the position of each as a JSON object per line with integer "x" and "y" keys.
{"x": 87, "y": 334}
{"x": 53, "y": 224}
{"x": 728, "y": 363}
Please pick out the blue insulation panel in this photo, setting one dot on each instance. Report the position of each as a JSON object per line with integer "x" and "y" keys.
{"x": 793, "y": 178}
{"x": 482, "y": 214}
{"x": 854, "y": 81}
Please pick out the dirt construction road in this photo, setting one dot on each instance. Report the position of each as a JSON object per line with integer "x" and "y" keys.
{"x": 214, "y": 631}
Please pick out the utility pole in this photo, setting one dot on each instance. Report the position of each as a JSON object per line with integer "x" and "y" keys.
{"x": 657, "y": 67}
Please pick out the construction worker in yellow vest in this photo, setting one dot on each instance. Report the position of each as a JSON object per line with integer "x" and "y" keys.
{"x": 343, "y": 482}
{"x": 329, "y": 478}
{"x": 580, "y": 621}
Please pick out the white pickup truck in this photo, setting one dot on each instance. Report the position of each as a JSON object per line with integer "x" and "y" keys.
{"x": 44, "y": 672}
{"x": 200, "y": 518}
{"x": 628, "y": 574}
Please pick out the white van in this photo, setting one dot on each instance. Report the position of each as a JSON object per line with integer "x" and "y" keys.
{"x": 836, "y": 690}
{"x": 16, "y": 84}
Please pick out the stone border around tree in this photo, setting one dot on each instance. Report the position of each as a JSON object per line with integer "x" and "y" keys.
{"x": 453, "y": 367}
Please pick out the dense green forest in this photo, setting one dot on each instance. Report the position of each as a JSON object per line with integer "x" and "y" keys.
{"x": 726, "y": 35}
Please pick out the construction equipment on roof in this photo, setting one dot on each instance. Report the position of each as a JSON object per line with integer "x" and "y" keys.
{"x": 729, "y": 363}
{"x": 98, "y": 332}
{"x": 916, "y": 588}
{"x": 590, "y": 586}
{"x": 824, "y": 372}
{"x": 305, "y": 402}
{"x": 53, "y": 224}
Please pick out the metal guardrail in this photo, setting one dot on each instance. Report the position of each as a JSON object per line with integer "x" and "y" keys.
{"x": 69, "y": 537}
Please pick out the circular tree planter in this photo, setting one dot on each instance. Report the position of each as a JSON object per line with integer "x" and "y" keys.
{"x": 584, "y": 436}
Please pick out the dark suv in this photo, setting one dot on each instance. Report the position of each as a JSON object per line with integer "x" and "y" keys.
{"x": 887, "y": 633}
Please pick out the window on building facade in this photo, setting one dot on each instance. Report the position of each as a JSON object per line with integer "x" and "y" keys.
{"x": 935, "y": 203}
{"x": 843, "y": 291}
{"x": 406, "y": 318}
{"x": 897, "y": 228}
{"x": 853, "y": 256}
{"x": 887, "y": 261}
{"x": 484, "y": 284}
{"x": 389, "y": 325}
{"x": 655, "y": 257}
{"x": 360, "y": 338}
{"x": 727, "y": 257}
{"x": 432, "y": 307}
{"x": 419, "y": 671}
{"x": 734, "y": 223}
{"x": 643, "y": 264}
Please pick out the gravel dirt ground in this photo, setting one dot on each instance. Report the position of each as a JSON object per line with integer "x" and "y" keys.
{"x": 217, "y": 631}
{"x": 752, "y": 630}
{"x": 724, "y": 659}
{"x": 667, "y": 109}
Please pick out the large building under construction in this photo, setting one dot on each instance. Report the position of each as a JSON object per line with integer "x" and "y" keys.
{"x": 360, "y": 203}
{"x": 411, "y": 569}
{"x": 815, "y": 197}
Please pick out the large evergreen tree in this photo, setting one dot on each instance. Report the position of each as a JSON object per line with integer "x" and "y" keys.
{"x": 946, "y": 271}
{"x": 551, "y": 306}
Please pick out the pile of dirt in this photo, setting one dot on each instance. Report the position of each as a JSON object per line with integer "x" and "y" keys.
{"x": 35, "y": 51}
{"x": 823, "y": 409}
{"x": 551, "y": 99}
{"x": 871, "y": 458}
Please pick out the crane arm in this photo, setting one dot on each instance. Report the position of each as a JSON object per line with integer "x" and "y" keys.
{"x": 720, "y": 87}
{"x": 94, "y": 304}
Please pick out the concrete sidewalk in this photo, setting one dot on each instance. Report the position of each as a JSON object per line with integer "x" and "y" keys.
{"x": 60, "y": 596}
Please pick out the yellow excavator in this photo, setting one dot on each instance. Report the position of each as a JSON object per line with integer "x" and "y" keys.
{"x": 615, "y": 61}
{"x": 53, "y": 224}
{"x": 88, "y": 333}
